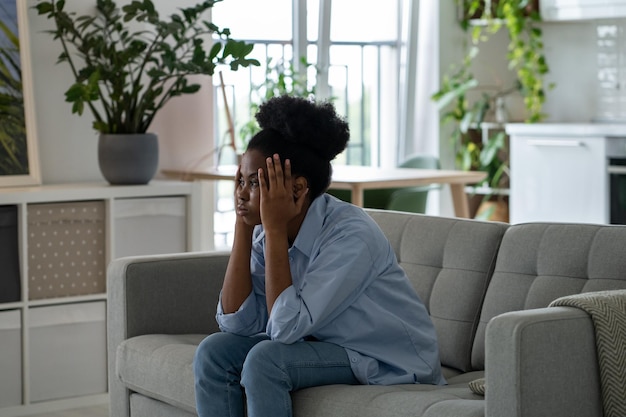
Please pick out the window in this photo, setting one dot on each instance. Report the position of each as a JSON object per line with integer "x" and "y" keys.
{"x": 357, "y": 56}
{"x": 355, "y": 48}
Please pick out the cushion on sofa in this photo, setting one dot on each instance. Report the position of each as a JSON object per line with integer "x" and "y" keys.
{"x": 446, "y": 259}
{"x": 391, "y": 401}
{"x": 160, "y": 366}
{"x": 540, "y": 262}
{"x": 142, "y": 406}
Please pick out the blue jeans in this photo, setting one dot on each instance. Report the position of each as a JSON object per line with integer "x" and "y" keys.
{"x": 226, "y": 365}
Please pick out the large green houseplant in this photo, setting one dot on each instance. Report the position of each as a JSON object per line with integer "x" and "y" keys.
{"x": 477, "y": 145}
{"x": 128, "y": 62}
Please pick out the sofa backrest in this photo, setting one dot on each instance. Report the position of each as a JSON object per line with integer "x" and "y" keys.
{"x": 449, "y": 262}
{"x": 539, "y": 262}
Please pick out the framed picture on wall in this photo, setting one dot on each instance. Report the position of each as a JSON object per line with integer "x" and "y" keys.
{"x": 19, "y": 160}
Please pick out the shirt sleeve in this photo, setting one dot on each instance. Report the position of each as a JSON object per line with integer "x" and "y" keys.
{"x": 332, "y": 281}
{"x": 244, "y": 322}
{"x": 251, "y": 317}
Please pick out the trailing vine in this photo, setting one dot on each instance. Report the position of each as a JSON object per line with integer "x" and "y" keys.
{"x": 525, "y": 53}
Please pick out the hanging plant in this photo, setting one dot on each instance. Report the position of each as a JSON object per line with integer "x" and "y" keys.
{"x": 525, "y": 52}
{"x": 482, "y": 19}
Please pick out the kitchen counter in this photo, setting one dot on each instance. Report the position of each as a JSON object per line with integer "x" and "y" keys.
{"x": 567, "y": 129}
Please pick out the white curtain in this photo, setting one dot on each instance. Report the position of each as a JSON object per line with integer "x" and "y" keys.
{"x": 420, "y": 122}
{"x": 426, "y": 134}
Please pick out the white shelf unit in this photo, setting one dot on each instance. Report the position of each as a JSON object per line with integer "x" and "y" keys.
{"x": 53, "y": 349}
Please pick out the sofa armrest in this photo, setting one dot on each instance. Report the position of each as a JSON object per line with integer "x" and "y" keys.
{"x": 171, "y": 294}
{"x": 542, "y": 362}
{"x": 159, "y": 294}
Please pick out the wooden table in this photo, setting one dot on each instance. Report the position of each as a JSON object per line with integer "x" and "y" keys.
{"x": 357, "y": 179}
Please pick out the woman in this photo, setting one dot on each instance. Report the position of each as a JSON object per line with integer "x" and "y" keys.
{"x": 313, "y": 294}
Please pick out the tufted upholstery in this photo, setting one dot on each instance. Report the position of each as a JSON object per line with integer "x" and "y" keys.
{"x": 484, "y": 284}
{"x": 540, "y": 262}
{"x": 444, "y": 257}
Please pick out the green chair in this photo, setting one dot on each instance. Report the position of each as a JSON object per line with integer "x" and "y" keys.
{"x": 410, "y": 199}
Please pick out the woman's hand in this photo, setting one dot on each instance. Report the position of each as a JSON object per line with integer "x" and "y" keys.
{"x": 279, "y": 200}
{"x": 280, "y": 203}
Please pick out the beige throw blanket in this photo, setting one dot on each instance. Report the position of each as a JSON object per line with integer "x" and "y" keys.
{"x": 608, "y": 313}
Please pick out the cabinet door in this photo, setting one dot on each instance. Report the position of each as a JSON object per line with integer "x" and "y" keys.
{"x": 67, "y": 350}
{"x": 148, "y": 226}
{"x": 560, "y": 179}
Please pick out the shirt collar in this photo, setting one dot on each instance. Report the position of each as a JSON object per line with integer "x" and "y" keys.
{"x": 311, "y": 226}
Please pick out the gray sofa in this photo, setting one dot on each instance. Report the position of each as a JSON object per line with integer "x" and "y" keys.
{"x": 487, "y": 286}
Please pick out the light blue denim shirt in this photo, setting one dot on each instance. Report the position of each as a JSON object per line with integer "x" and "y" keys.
{"x": 348, "y": 289}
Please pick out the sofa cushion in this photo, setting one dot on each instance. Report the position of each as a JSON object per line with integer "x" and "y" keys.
{"x": 160, "y": 366}
{"x": 142, "y": 406}
{"x": 449, "y": 262}
{"x": 452, "y": 400}
{"x": 539, "y": 262}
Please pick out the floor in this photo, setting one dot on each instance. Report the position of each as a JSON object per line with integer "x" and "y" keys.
{"x": 93, "y": 411}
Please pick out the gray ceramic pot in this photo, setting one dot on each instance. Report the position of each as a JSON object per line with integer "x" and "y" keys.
{"x": 128, "y": 159}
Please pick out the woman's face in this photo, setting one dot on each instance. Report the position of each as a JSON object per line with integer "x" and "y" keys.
{"x": 248, "y": 191}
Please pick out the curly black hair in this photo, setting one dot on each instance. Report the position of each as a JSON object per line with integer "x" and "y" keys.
{"x": 310, "y": 134}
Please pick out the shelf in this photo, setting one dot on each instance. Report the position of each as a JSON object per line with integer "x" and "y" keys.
{"x": 67, "y": 300}
{"x": 59, "y": 240}
{"x": 485, "y": 22}
{"x": 11, "y": 306}
{"x": 91, "y": 191}
{"x": 492, "y": 5}
{"x": 486, "y": 190}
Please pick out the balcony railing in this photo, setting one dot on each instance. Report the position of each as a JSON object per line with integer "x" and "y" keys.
{"x": 362, "y": 78}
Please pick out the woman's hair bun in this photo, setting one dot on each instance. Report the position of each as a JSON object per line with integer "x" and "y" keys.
{"x": 315, "y": 125}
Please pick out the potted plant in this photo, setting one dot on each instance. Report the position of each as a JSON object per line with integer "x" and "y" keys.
{"x": 127, "y": 63}
{"x": 478, "y": 138}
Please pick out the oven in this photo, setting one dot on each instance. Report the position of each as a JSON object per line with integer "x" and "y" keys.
{"x": 616, "y": 158}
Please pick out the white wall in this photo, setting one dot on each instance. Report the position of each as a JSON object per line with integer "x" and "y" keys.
{"x": 570, "y": 50}
{"x": 571, "y": 54}
{"x": 67, "y": 142}
{"x": 452, "y": 42}
{"x": 451, "y": 51}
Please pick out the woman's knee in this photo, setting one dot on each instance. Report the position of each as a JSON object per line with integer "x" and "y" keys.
{"x": 263, "y": 360}
{"x": 224, "y": 351}
{"x": 211, "y": 350}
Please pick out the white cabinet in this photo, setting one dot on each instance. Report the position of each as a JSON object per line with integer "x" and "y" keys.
{"x": 150, "y": 226}
{"x": 10, "y": 354}
{"x": 563, "y": 10}
{"x": 558, "y": 179}
{"x": 67, "y": 351}
{"x": 560, "y": 171}
{"x": 55, "y": 244}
